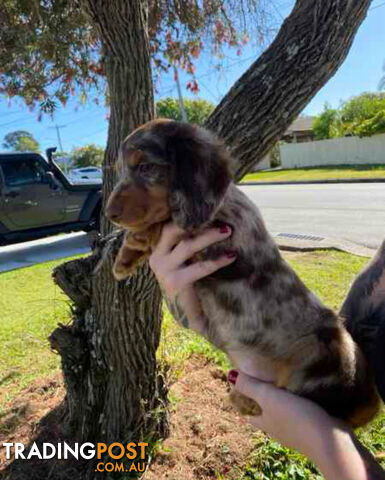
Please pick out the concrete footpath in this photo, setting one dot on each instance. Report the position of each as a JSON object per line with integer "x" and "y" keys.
{"x": 21, "y": 255}
{"x": 26, "y": 254}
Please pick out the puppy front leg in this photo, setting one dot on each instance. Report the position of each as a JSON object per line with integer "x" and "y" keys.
{"x": 127, "y": 261}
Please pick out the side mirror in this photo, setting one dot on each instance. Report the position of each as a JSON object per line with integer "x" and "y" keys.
{"x": 51, "y": 180}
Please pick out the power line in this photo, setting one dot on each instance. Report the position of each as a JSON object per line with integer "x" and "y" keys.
{"x": 66, "y": 115}
{"x": 213, "y": 70}
{"x": 90, "y": 134}
{"x": 216, "y": 97}
{"x": 14, "y": 121}
{"x": 12, "y": 113}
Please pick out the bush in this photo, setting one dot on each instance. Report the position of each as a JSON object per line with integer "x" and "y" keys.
{"x": 197, "y": 111}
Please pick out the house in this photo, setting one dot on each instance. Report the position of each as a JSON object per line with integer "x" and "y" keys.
{"x": 300, "y": 131}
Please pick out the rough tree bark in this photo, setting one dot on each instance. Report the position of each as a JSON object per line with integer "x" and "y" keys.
{"x": 114, "y": 391}
{"x": 108, "y": 352}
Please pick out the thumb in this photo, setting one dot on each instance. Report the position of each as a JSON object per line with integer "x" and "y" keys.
{"x": 252, "y": 388}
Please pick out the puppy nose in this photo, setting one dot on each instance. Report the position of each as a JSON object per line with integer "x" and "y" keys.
{"x": 114, "y": 211}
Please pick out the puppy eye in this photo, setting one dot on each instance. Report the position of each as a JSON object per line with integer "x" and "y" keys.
{"x": 147, "y": 168}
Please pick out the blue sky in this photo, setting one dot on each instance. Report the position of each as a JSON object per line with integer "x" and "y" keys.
{"x": 82, "y": 124}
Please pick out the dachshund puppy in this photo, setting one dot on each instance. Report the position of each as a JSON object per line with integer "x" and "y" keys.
{"x": 255, "y": 308}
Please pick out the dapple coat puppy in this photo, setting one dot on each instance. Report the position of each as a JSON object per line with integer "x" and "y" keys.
{"x": 255, "y": 308}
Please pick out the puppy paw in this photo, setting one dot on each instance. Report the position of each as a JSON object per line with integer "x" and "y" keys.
{"x": 121, "y": 271}
{"x": 245, "y": 405}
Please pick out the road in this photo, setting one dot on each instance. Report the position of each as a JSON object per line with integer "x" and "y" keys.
{"x": 353, "y": 212}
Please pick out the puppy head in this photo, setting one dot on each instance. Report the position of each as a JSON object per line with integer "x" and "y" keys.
{"x": 169, "y": 169}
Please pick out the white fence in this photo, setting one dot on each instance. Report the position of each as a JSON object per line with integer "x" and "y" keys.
{"x": 336, "y": 151}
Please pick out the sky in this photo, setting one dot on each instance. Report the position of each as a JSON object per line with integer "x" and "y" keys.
{"x": 83, "y": 124}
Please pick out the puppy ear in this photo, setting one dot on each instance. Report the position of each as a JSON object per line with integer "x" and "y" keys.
{"x": 201, "y": 175}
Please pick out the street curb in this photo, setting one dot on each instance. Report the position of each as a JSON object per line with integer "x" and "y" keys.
{"x": 304, "y": 245}
{"x": 316, "y": 182}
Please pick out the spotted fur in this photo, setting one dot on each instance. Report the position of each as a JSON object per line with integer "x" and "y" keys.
{"x": 257, "y": 306}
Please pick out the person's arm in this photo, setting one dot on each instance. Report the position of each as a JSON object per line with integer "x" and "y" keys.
{"x": 304, "y": 426}
{"x": 176, "y": 277}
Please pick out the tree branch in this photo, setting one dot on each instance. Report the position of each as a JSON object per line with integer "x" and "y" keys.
{"x": 309, "y": 48}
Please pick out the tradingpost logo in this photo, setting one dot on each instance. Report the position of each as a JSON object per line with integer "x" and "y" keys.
{"x": 120, "y": 453}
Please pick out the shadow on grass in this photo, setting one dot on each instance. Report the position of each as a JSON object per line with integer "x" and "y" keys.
{"x": 9, "y": 376}
{"x": 12, "y": 418}
{"x": 47, "y": 431}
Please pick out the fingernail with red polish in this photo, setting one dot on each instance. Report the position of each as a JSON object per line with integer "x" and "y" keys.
{"x": 230, "y": 254}
{"x": 224, "y": 229}
{"x": 232, "y": 376}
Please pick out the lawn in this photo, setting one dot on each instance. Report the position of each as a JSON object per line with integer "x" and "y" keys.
{"x": 322, "y": 173}
{"x": 32, "y": 305}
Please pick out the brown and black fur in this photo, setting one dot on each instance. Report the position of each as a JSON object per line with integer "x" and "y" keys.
{"x": 257, "y": 306}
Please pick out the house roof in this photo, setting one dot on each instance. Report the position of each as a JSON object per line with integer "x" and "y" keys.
{"x": 302, "y": 124}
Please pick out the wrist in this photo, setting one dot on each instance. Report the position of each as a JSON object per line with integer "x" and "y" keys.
{"x": 335, "y": 453}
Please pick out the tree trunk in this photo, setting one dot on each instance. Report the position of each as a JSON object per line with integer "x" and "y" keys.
{"x": 114, "y": 391}
{"x": 309, "y": 48}
{"x": 108, "y": 353}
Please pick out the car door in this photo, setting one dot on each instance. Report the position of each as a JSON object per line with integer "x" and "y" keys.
{"x": 29, "y": 199}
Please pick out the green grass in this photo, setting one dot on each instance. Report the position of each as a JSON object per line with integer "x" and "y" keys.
{"x": 32, "y": 305}
{"x": 320, "y": 173}
{"x": 272, "y": 461}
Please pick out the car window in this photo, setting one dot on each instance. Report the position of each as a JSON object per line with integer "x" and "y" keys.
{"x": 23, "y": 172}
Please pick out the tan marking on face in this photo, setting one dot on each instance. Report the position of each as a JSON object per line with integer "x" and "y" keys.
{"x": 135, "y": 157}
{"x": 140, "y": 207}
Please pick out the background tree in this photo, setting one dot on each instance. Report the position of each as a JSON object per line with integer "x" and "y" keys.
{"x": 372, "y": 126}
{"x": 360, "y": 109}
{"x": 89, "y": 155}
{"x": 21, "y": 141}
{"x": 114, "y": 390}
{"x": 197, "y": 110}
{"x": 60, "y": 154}
{"x": 362, "y": 115}
{"x": 326, "y": 124}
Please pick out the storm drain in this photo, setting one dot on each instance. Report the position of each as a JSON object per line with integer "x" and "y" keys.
{"x": 299, "y": 236}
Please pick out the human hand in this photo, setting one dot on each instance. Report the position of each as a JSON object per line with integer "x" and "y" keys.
{"x": 176, "y": 278}
{"x": 302, "y": 425}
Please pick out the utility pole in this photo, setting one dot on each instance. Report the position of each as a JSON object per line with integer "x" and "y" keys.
{"x": 181, "y": 103}
{"x": 58, "y": 127}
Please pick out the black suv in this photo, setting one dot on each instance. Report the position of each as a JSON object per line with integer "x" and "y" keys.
{"x": 37, "y": 199}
